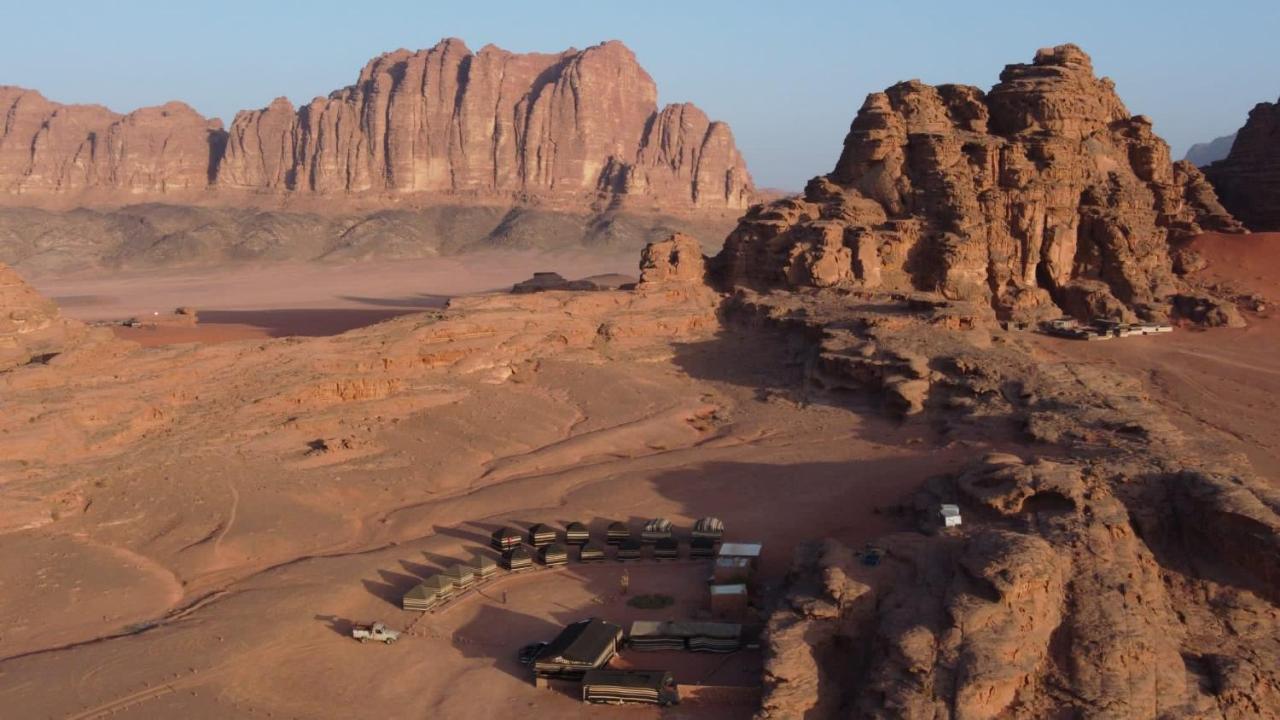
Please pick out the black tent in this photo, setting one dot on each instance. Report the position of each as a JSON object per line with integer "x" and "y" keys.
{"x": 575, "y": 533}
{"x": 503, "y": 539}
{"x": 517, "y": 559}
{"x": 582, "y": 646}
{"x": 553, "y": 554}
{"x": 541, "y": 534}
{"x": 591, "y": 553}
{"x": 666, "y": 549}
{"x": 630, "y": 550}
{"x": 702, "y": 547}
{"x": 618, "y": 533}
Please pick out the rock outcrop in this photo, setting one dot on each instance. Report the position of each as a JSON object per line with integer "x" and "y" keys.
{"x": 1248, "y": 179}
{"x": 1043, "y": 187}
{"x": 32, "y": 329}
{"x": 1101, "y": 571}
{"x": 676, "y": 259}
{"x": 576, "y": 127}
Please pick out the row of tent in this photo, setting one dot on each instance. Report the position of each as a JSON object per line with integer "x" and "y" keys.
{"x": 455, "y": 579}
{"x": 618, "y": 533}
{"x": 462, "y": 576}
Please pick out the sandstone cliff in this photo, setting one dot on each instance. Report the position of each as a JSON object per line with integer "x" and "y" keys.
{"x": 46, "y": 147}
{"x": 1248, "y": 179}
{"x": 578, "y": 127}
{"x": 1041, "y": 195}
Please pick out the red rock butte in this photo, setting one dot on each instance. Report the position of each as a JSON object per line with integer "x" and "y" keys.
{"x": 574, "y": 128}
{"x": 1042, "y": 195}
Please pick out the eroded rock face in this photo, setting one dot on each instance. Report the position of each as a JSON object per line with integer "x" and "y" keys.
{"x": 577, "y": 125}
{"x": 678, "y": 259}
{"x": 1007, "y": 198}
{"x": 47, "y": 147}
{"x": 1248, "y": 179}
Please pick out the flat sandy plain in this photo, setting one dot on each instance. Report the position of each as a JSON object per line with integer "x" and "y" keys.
{"x": 228, "y": 510}
{"x": 298, "y": 298}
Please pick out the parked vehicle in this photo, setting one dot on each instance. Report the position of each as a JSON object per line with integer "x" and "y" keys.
{"x": 378, "y": 632}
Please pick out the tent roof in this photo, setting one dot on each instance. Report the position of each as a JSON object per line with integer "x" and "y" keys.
{"x": 506, "y": 532}
{"x": 582, "y": 642}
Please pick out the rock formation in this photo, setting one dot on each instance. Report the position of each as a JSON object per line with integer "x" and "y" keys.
{"x": 1248, "y": 179}
{"x": 1099, "y": 572}
{"x": 676, "y": 259}
{"x": 577, "y": 127}
{"x": 32, "y": 328}
{"x": 1040, "y": 195}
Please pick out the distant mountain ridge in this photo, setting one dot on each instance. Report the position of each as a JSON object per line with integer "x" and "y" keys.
{"x": 572, "y": 129}
{"x": 1202, "y": 154}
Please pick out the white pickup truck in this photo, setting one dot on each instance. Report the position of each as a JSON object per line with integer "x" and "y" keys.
{"x": 377, "y": 632}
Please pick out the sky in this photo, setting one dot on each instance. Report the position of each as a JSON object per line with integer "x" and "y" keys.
{"x": 787, "y": 77}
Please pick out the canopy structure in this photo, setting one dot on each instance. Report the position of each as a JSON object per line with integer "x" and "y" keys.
{"x": 553, "y": 554}
{"x": 503, "y": 539}
{"x": 708, "y": 527}
{"x": 541, "y": 534}
{"x": 576, "y": 533}
{"x": 517, "y": 559}
{"x": 617, "y": 533}
{"x": 655, "y": 530}
{"x": 582, "y": 646}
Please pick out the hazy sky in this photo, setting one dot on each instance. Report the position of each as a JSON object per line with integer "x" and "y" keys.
{"x": 788, "y": 77}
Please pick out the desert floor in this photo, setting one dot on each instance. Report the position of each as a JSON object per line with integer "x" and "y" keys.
{"x": 281, "y": 299}
{"x": 198, "y": 575}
